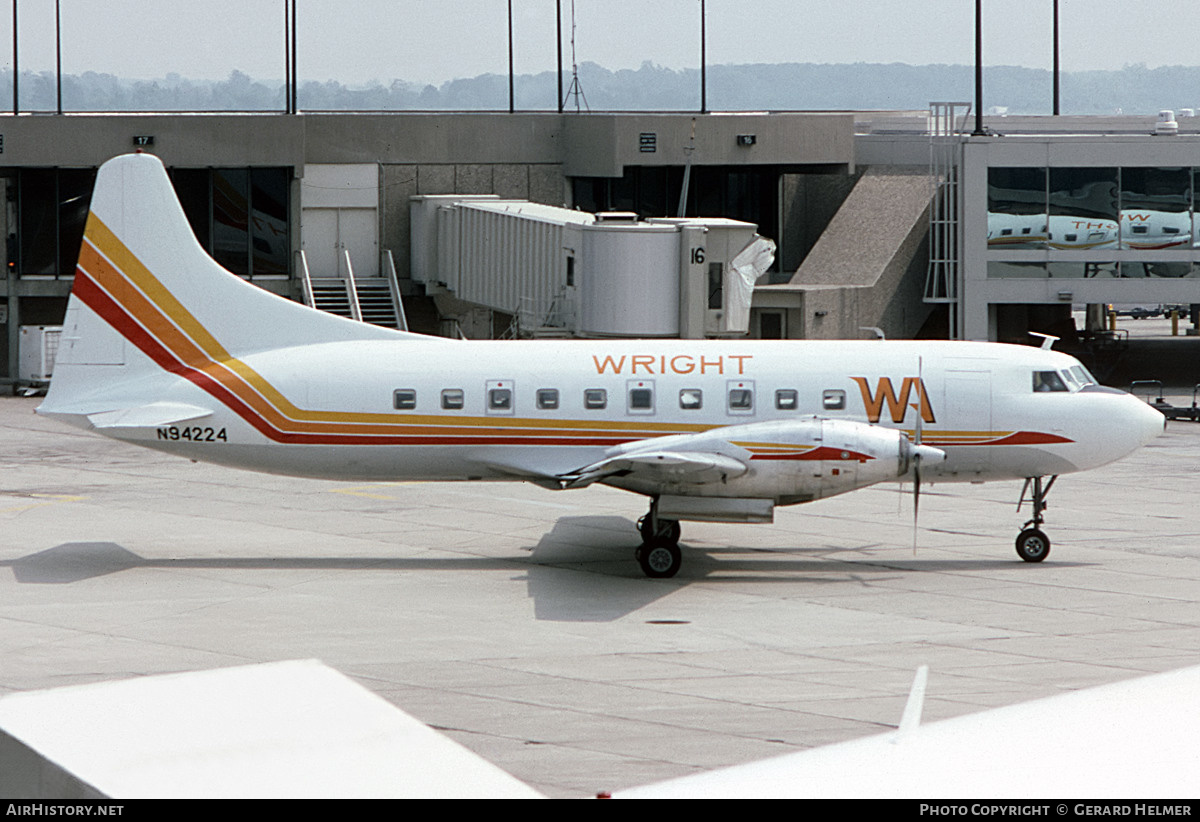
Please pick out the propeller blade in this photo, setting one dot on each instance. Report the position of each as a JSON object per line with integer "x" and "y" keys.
{"x": 917, "y": 450}
{"x": 916, "y": 496}
{"x": 920, "y": 395}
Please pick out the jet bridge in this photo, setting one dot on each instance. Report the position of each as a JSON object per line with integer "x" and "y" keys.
{"x": 561, "y": 271}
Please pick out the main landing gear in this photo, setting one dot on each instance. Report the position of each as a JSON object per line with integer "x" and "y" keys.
{"x": 659, "y": 553}
{"x": 1032, "y": 544}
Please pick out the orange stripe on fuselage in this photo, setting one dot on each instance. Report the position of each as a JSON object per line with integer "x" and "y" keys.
{"x": 150, "y": 304}
{"x": 117, "y": 270}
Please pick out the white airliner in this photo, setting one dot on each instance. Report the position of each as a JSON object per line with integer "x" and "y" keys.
{"x": 163, "y": 348}
{"x": 1137, "y": 229}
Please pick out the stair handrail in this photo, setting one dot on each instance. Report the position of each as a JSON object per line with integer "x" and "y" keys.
{"x": 351, "y": 291}
{"x": 306, "y": 280}
{"x": 394, "y": 286}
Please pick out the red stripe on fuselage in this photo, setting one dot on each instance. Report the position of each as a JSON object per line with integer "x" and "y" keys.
{"x": 92, "y": 295}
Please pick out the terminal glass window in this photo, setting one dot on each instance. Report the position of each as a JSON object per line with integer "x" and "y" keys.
{"x": 1016, "y": 207}
{"x": 241, "y": 216}
{"x": 1156, "y": 208}
{"x": 1134, "y": 222}
{"x": 738, "y": 192}
{"x": 52, "y": 208}
{"x": 1084, "y": 208}
{"x": 231, "y": 219}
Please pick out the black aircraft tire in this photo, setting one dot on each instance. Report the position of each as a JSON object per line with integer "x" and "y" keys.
{"x": 660, "y": 561}
{"x": 1033, "y": 545}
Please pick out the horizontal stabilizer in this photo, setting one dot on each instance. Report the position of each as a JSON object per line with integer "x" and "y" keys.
{"x": 691, "y": 466}
{"x": 148, "y": 416}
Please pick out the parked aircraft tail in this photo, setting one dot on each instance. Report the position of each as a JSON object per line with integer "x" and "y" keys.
{"x": 148, "y": 301}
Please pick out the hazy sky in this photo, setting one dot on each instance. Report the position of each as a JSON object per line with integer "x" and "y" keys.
{"x": 430, "y": 41}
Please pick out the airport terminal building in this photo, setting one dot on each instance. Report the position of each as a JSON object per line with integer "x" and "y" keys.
{"x": 528, "y": 223}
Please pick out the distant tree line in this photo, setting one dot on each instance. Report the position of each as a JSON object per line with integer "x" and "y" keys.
{"x": 1134, "y": 89}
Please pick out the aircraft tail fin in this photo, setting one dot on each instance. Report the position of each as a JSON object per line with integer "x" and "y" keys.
{"x": 148, "y": 299}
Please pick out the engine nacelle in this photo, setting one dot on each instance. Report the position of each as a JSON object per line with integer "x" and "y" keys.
{"x": 788, "y": 462}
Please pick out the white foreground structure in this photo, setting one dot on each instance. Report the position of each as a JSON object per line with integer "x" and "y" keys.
{"x": 286, "y": 729}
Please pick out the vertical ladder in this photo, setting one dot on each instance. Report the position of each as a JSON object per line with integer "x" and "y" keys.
{"x": 946, "y": 137}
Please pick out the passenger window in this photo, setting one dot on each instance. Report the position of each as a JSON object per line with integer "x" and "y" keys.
{"x": 452, "y": 399}
{"x": 595, "y": 398}
{"x": 740, "y": 397}
{"x": 547, "y": 398}
{"x": 404, "y": 399}
{"x": 500, "y": 399}
{"x": 641, "y": 397}
{"x": 833, "y": 400}
{"x": 691, "y": 399}
{"x": 786, "y": 399}
{"x": 1048, "y": 381}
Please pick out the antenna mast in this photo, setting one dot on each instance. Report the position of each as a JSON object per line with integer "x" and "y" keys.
{"x": 576, "y": 90}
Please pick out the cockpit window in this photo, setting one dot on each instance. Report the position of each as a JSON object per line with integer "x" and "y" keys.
{"x": 1083, "y": 375}
{"x": 1048, "y": 381}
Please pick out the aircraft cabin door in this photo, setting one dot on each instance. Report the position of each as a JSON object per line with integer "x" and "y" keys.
{"x": 966, "y": 421}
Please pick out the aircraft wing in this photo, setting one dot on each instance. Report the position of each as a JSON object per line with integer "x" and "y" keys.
{"x": 1127, "y": 739}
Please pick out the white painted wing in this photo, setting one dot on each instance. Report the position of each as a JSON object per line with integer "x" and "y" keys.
{"x": 1139, "y": 738}
{"x": 295, "y": 729}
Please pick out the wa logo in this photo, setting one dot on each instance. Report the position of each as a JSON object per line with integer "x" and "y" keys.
{"x": 897, "y": 404}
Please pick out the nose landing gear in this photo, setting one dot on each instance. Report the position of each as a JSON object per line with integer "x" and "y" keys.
{"x": 1032, "y": 544}
{"x": 659, "y": 553}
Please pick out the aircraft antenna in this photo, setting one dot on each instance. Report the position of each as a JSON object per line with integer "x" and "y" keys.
{"x": 1048, "y": 340}
{"x": 911, "y": 717}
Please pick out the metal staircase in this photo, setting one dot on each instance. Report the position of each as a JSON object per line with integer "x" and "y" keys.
{"x": 374, "y": 300}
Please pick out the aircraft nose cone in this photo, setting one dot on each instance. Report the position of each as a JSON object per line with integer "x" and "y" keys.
{"x": 1146, "y": 422}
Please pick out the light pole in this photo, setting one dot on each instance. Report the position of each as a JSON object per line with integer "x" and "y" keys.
{"x": 703, "y": 59}
{"x": 1056, "y": 86}
{"x": 979, "y": 130}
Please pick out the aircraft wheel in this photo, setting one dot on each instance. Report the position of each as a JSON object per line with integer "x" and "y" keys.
{"x": 659, "y": 561}
{"x": 1033, "y": 545}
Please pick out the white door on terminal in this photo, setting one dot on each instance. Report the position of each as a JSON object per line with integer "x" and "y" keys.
{"x": 327, "y": 232}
